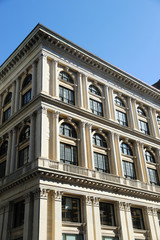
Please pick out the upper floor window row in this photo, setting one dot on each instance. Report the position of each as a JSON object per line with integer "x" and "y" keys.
{"x": 125, "y": 149}
{"x": 68, "y": 130}
{"x": 66, "y": 77}
{"x": 119, "y": 102}
{"x": 93, "y": 89}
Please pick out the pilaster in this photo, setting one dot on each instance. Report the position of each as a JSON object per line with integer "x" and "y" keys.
{"x": 130, "y": 113}
{"x": 129, "y": 221}
{"x": 56, "y": 147}
{"x": 80, "y": 91}
{"x": 118, "y": 155}
{"x": 13, "y": 98}
{"x": 13, "y": 151}
{"x": 135, "y": 114}
{"x": 107, "y": 103}
{"x": 55, "y": 78}
{"x": 151, "y": 226}
{"x": 139, "y": 162}
{"x": 8, "y": 162}
{"x": 34, "y": 79}
{"x": 83, "y": 145}
{"x": 113, "y": 162}
{"x": 156, "y": 223}
{"x": 86, "y": 95}
{"x": 32, "y": 138}
{"x": 28, "y": 217}
{"x": 89, "y": 218}
{"x": 17, "y": 94}
{"x": 111, "y": 98}
{"x": 123, "y": 221}
{"x": 6, "y": 222}
{"x": 57, "y": 215}
{"x": 96, "y": 219}
{"x": 151, "y": 123}
{"x": 144, "y": 164}
{"x": 90, "y": 156}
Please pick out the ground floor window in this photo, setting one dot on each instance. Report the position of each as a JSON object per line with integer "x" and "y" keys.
{"x": 107, "y": 214}
{"x": 137, "y": 218}
{"x": 72, "y": 237}
{"x": 71, "y": 210}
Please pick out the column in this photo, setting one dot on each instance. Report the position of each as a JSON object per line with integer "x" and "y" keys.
{"x": 56, "y": 144}
{"x": 86, "y": 95}
{"x": 83, "y": 146}
{"x": 156, "y": 123}
{"x": 151, "y": 123}
{"x": 6, "y": 223}
{"x": 90, "y": 156}
{"x": 28, "y": 217}
{"x": 32, "y": 138}
{"x": 57, "y": 216}
{"x": 131, "y": 114}
{"x": 139, "y": 162}
{"x": 145, "y": 172}
{"x": 118, "y": 155}
{"x": 9, "y": 153}
{"x": 123, "y": 223}
{"x": 80, "y": 91}
{"x": 114, "y": 164}
{"x": 151, "y": 226}
{"x": 111, "y": 99}
{"x": 129, "y": 221}
{"x": 96, "y": 219}
{"x": 13, "y": 97}
{"x": 156, "y": 223}
{"x": 89, "y": 218}
{"x": 34, "y": 79}
{"x": 13, "y": 151}
{"x": 55, "y": 78}
{"x": 38, "y": 134}
{"x": 40, "y": 215}
{"x": 17, "y": 94}
{"x": 44, "y": 81}
{"x": 0, "y": 108}
{"x": 44, "y": 133}
{"x": 135, "y": 114}
{"x": 107, "y": 103}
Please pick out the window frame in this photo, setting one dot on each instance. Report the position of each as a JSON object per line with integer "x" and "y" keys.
{"x": 73, "y": 210}
{"x": 110, "y": 215}
{"x": 140, "y": 224}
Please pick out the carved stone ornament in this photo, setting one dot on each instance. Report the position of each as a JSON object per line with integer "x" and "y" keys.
{"x": 155, "y": 210}
{"x": 128, "y": 207}
{"x": 88, "y": 200}
{"x": 149, "y": 210}
{"x": 121, "y": 206}
{"x": 58, "y": 195}
{"x": 96, "y": 201}
{"x": 41, "y": 193}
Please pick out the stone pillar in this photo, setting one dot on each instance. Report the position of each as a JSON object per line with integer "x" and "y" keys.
{"x": 156, "y": 123}
{"x": 139, "y": 162}
{"x": 111, "y": 98}
{"x": 32, "y": 138}
{"x": 123, "y": 222}
{"x": 13, "y": 98}
{"x": 40, "y": 215}
{"x": 13, "y": 151}
{"x": 8, "y": 162}
{"x": 129, "y": 221}
{"x": 17, "y": 94}
{"x": 156, "y": 223}
{"x": 151, "y": 123}
{"x": 90, "y": 156}
{"x": 113, "y": 162}
{"x": 151, "y": 226}
{"x": 0, "y": 108}
{"x": 107, "y": 103}
{"x": 89, "y": 218}
{"x": 55, "y": 79}
{"x": 44, "y": 133}
{"x": 6, "y": 222}
{"x": 28, "y": 217}
{"x": 1, "y": 221}
{"x": 135, "y": 114}
{"x": 44, "y": 81}
{"x": 130, "y": 113}
{"x": 118, "y": 155}
{"x": 56, "y": 144}
{"x": 146, "y": 177}
{"x": 83, "y": 146}
{"x": 57, "y": 216}
{"x": 80, "y": 91}
{"x": 96, "y": 219}
{"x": 86, "y": 95}
{"x": 34, "y": 79}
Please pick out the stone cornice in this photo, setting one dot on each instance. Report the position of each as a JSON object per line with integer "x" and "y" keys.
{"x": 43, "y": 34}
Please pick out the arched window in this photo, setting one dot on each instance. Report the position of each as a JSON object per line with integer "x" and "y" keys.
{"x": 152, "y": 168}
{"x": 68, "y": 147}
{"x": 7, "y": 107}
{"x": 101, "y": 162}
{"x": 23, "y": 153}
{"x": 140, "y": 111}
{"x": 3, "y": 156}
{"x": 142, "y": 120}
{"x": 66, "y": 88}
{"x": 149, "y": 157}
{"x": 95, "y": 100}
{"x": 127, "y": 161}
{"x": 26, "y": 89}
{"x": 121, "y": 115}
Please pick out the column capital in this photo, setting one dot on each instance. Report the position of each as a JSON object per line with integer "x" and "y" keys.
{"x": 128, "y": 207}
{"x": 83, "y": 124}
{"x": 27, "y": 197}
{"x": 96, "y": 201}
{"x": 58, "y": 195}
{"x": 89, "y": 126}
{"x": 41, "y": 193}
{"x": 121, "y": 206}
{"x": 56, "y": 114}
{"x": 148, "y": 210}
{"x": 88, "y": 200}
{"x": 155, "y": 210}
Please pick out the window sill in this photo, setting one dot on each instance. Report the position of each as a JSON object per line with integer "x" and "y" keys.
{"x": 73, "y": 224}
{"x": 106, "y": 227}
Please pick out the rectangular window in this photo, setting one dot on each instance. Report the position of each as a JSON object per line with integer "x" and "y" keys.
{"x": 96, "y": 107}
{"x": 66, "y": 95}
{"x": 107, "y": 214}
{"x": 71, "y": 209}
{"x": 121, "y": 118}
{"x": 26, "y": 97}
{"x": 18, "y": 219}
{"x": 129, "y": 170}
{"x": 101, "y": 162}
{"x": 110, "y": 238}
{"x": 153, "y": 176}
{"x": 68, "y": 154}
{"x": 137, "y": 218}
{"x": 2, "y": 169}
{"x": 23, "y": 156}
{"x": 72, "y": 237}
{"x": 6, "y": 114}
{"x": 144, "y": 127}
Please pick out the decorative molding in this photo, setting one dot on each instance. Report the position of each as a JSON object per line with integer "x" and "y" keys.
{"x": 96, "y": 201}
{"x": 58, "y": 195}
{"x": 88, "y": 200}
{"x": 121, "y": 206}
{"x": 128, "y": 207}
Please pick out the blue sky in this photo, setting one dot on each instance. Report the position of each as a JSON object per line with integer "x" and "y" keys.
{"x": 126, "y": 33}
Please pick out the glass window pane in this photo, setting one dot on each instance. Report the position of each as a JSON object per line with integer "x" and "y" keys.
{"x": 144, "y": 127}
{"x": 96, "y": 107}
{"x": 121, "y": 118}
{"x": 137, "y": 218}
{"x": 107, "y": 214}
{"x": 66, "y": 95}
{"x": 129, "y": 170}
{"x": 101, "y": 162}
{"x": 71, "y": 209}
{"x": 93, "y": 89}
{"x": 153, "y": 176}
{"x": 119, "y": 102}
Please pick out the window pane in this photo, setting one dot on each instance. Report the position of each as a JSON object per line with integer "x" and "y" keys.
{"x": 93, "y": 89}
{"x": 68, "y": 154}
{"x": 65, "y": 77}
{"x": 140, "y": 111}
{"x": 153, "y": 176}
{"x": 137, "y": 218}
{"x": 26, "y": 97}
{"x": 23, "y": 157}
{"x": 149, "y": 157}
{"x": 8, "y": 99}
{"x": 129, "y": 170}
{"x": 6, "y": 114}
{"x": 119, "y": 102}
{"x": 66, "y": 95}
{"x": 24, "y": 135}
{"x": 144, "y": 127}
{"x": 96, "y": 107}
{"x": 101, "y": 162}
{"x": 125, "y": 149}
{"x": 121, "y": 118}
{"x": 68, "y": 130}
{"x": 72, "y": 237}
{"x": 18, "y": 214}
{"x": 2, "y": 169}
{"x": 71, "y": 209}
{"x": 107, "y": 214}
{"x": 26, "y": 81}
{"x": 99, "y": 140}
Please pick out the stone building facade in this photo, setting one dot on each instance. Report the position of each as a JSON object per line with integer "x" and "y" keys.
{"x": 79, "y": 146}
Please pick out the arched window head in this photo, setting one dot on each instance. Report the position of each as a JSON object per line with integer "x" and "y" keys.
{"x": 149, "y": 157}
{"x": 140, "y": 111}
{"x": 93, "y": 89}
{"x": 24, "y": 135}
{"x": 68, "y": 130}
{"x": 27, "y": 80}
{"x": 8, "y": 98}
{"x": 65, "y": 77}
{"x": 119, "y": 102}
{"x": 99, "y": 140}
{"x": 125, "y": 149}
{"x": 3, "y": 148}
